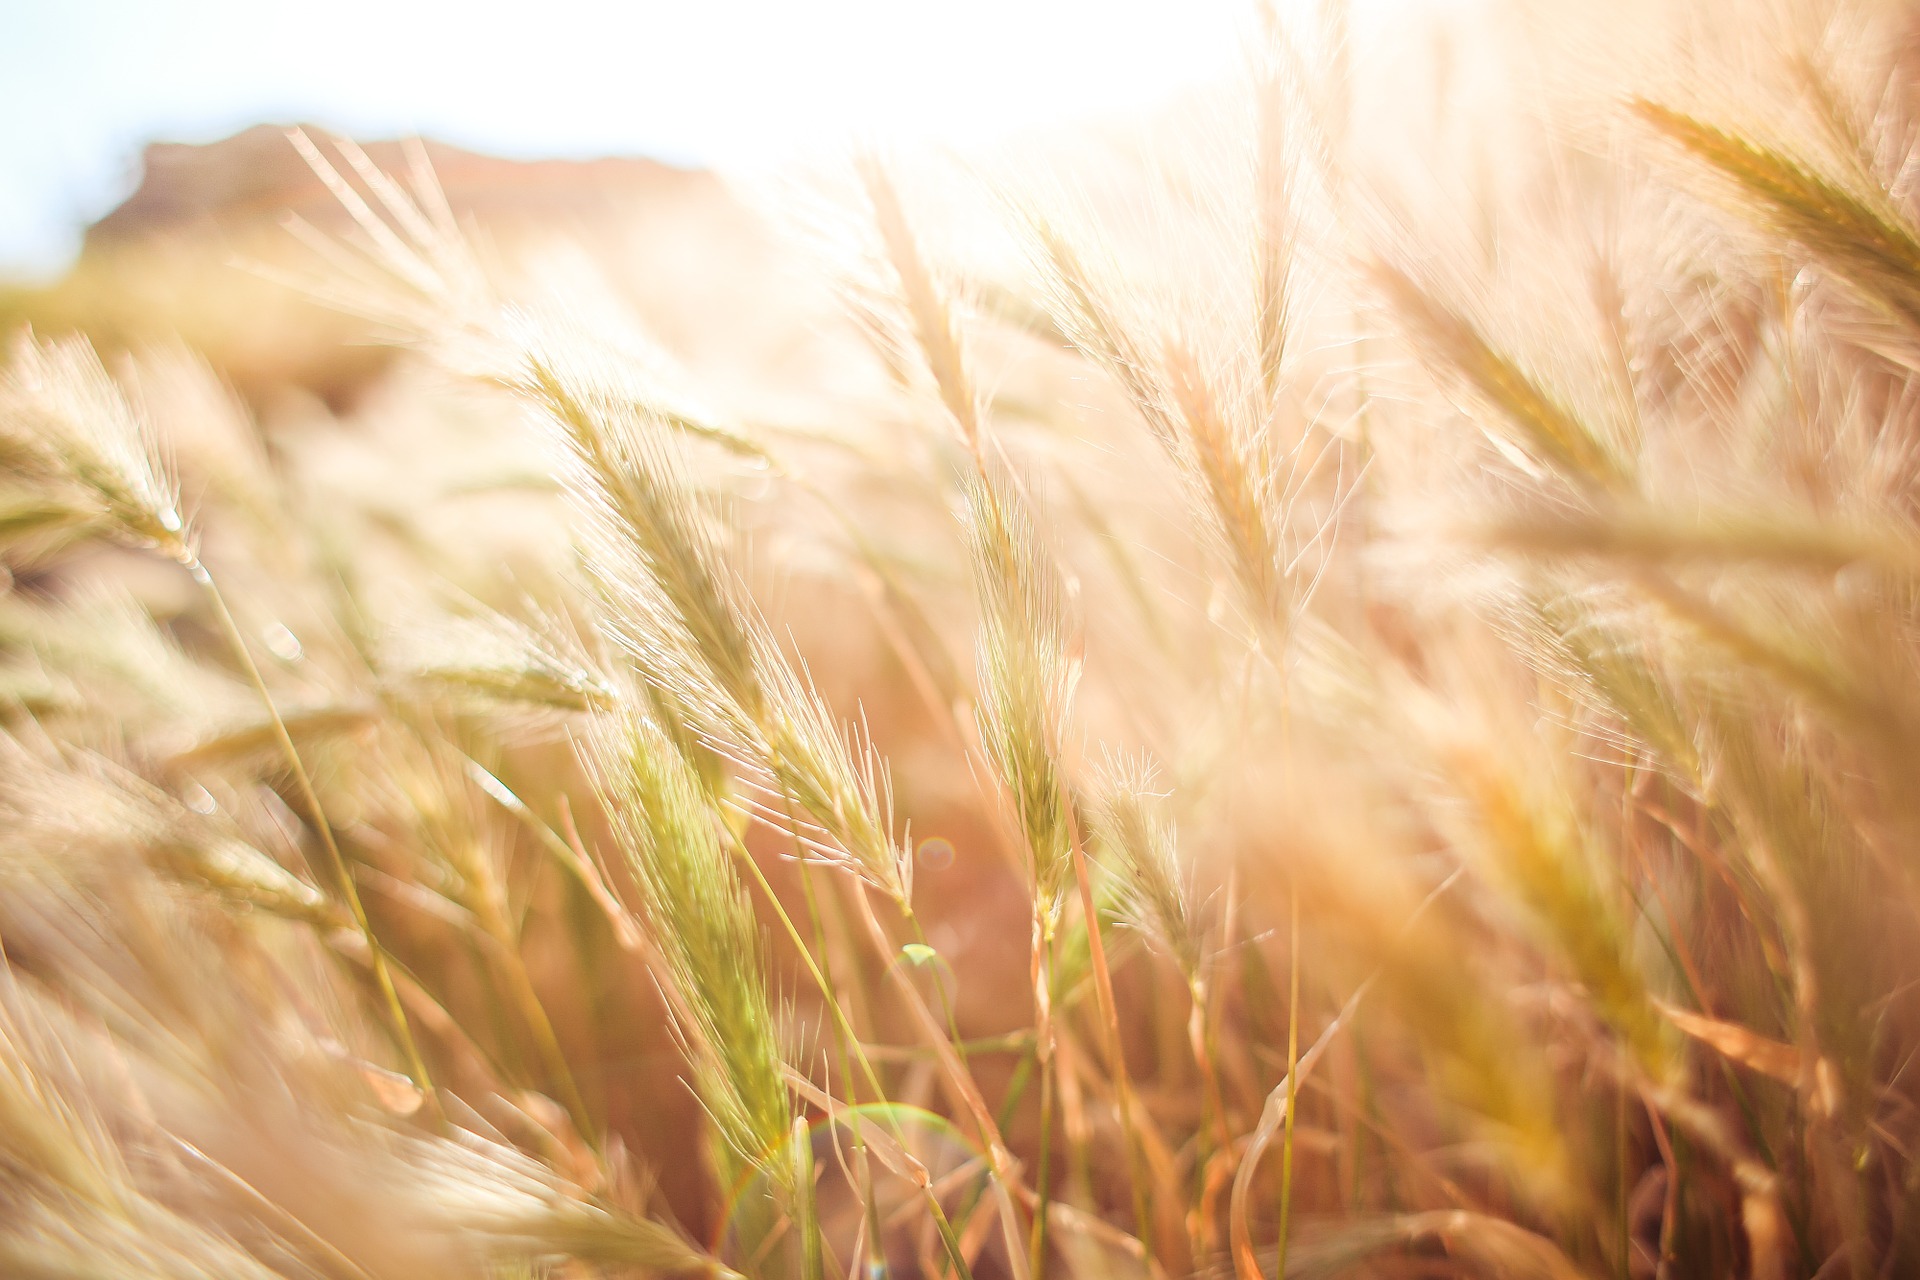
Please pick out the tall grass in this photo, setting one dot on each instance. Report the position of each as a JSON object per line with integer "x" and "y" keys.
{"x": 1210, "y": 725}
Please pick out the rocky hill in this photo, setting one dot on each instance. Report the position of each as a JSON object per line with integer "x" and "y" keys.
{"x": 257, "y": 178}
{"x": 187, "y": 256}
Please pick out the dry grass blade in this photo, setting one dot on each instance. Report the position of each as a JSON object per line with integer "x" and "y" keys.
{"x": 1735, "y": 1042}
{"x": 1277, "y": 1110}
{"x": 1491, "y": 1246}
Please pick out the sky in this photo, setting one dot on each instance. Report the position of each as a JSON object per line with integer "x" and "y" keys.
{"x": 85, "y": 83}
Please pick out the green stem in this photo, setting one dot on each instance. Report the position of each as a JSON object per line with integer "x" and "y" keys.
{"x": 876, "y": 1253}
{"x": 948, "y": 1238}
{"x": 1116, "y": 1050}
{"x": 403, "y": 1034}
{"x": 801, "y": 1145}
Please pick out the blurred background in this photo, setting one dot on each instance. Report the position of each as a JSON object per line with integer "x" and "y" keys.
{"x": 146, "y": 179}
{"x": 85, "y": 85}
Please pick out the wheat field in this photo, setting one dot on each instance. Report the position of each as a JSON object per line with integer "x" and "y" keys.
{"x": 1326, "y": 683}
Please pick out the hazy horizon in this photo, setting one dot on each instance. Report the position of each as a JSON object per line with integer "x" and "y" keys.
{"x": 85, "y": 85}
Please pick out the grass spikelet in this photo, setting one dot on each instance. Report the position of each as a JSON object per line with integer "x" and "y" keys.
{"x": 704, "y": 930}
{"x": 1276, "y": 201}
{"x": 681, "y": 615}
{"x": 1852, "y": 228}
{"x": 1093, "y": 324}
{"x": 1132, "y": 829}
{"x": 928, "y": 306}
{"x": 1215, "y": 425}
{"x": 67, "y": 420}
{"x": 1605, "y": 659}
{"x": 494, "y": 659}
{"x": 1026, "y": 675}
{"x": 1239, "y": 484}
{"x": 1535, "y": 419}
{"x": 1536, "y": 851}
{"x": 414, "y": 271}
{"x": 678, "y": 611}
{"x": 835, "y": 775}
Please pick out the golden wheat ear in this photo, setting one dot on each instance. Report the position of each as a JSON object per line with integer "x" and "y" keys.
{"x": 1214, "y": 425}
{"x": 69, "y": 426}
{"x": 1026, "y": 675}
{"x": 1530, "y": 416}
{"x": 491, "y": 660}
{"x": 928, "y": 306}
{"x": 1854, "y": 229}
{"x": 678, "y": 608}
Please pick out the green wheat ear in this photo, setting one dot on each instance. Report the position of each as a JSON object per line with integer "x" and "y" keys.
{"x": 703, "y": 927}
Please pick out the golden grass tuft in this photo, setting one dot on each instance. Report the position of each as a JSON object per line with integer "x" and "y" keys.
{"x": 1172, "y": 725}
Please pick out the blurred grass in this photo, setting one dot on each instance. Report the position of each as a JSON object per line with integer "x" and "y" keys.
{"x": 1151, "y": 715}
